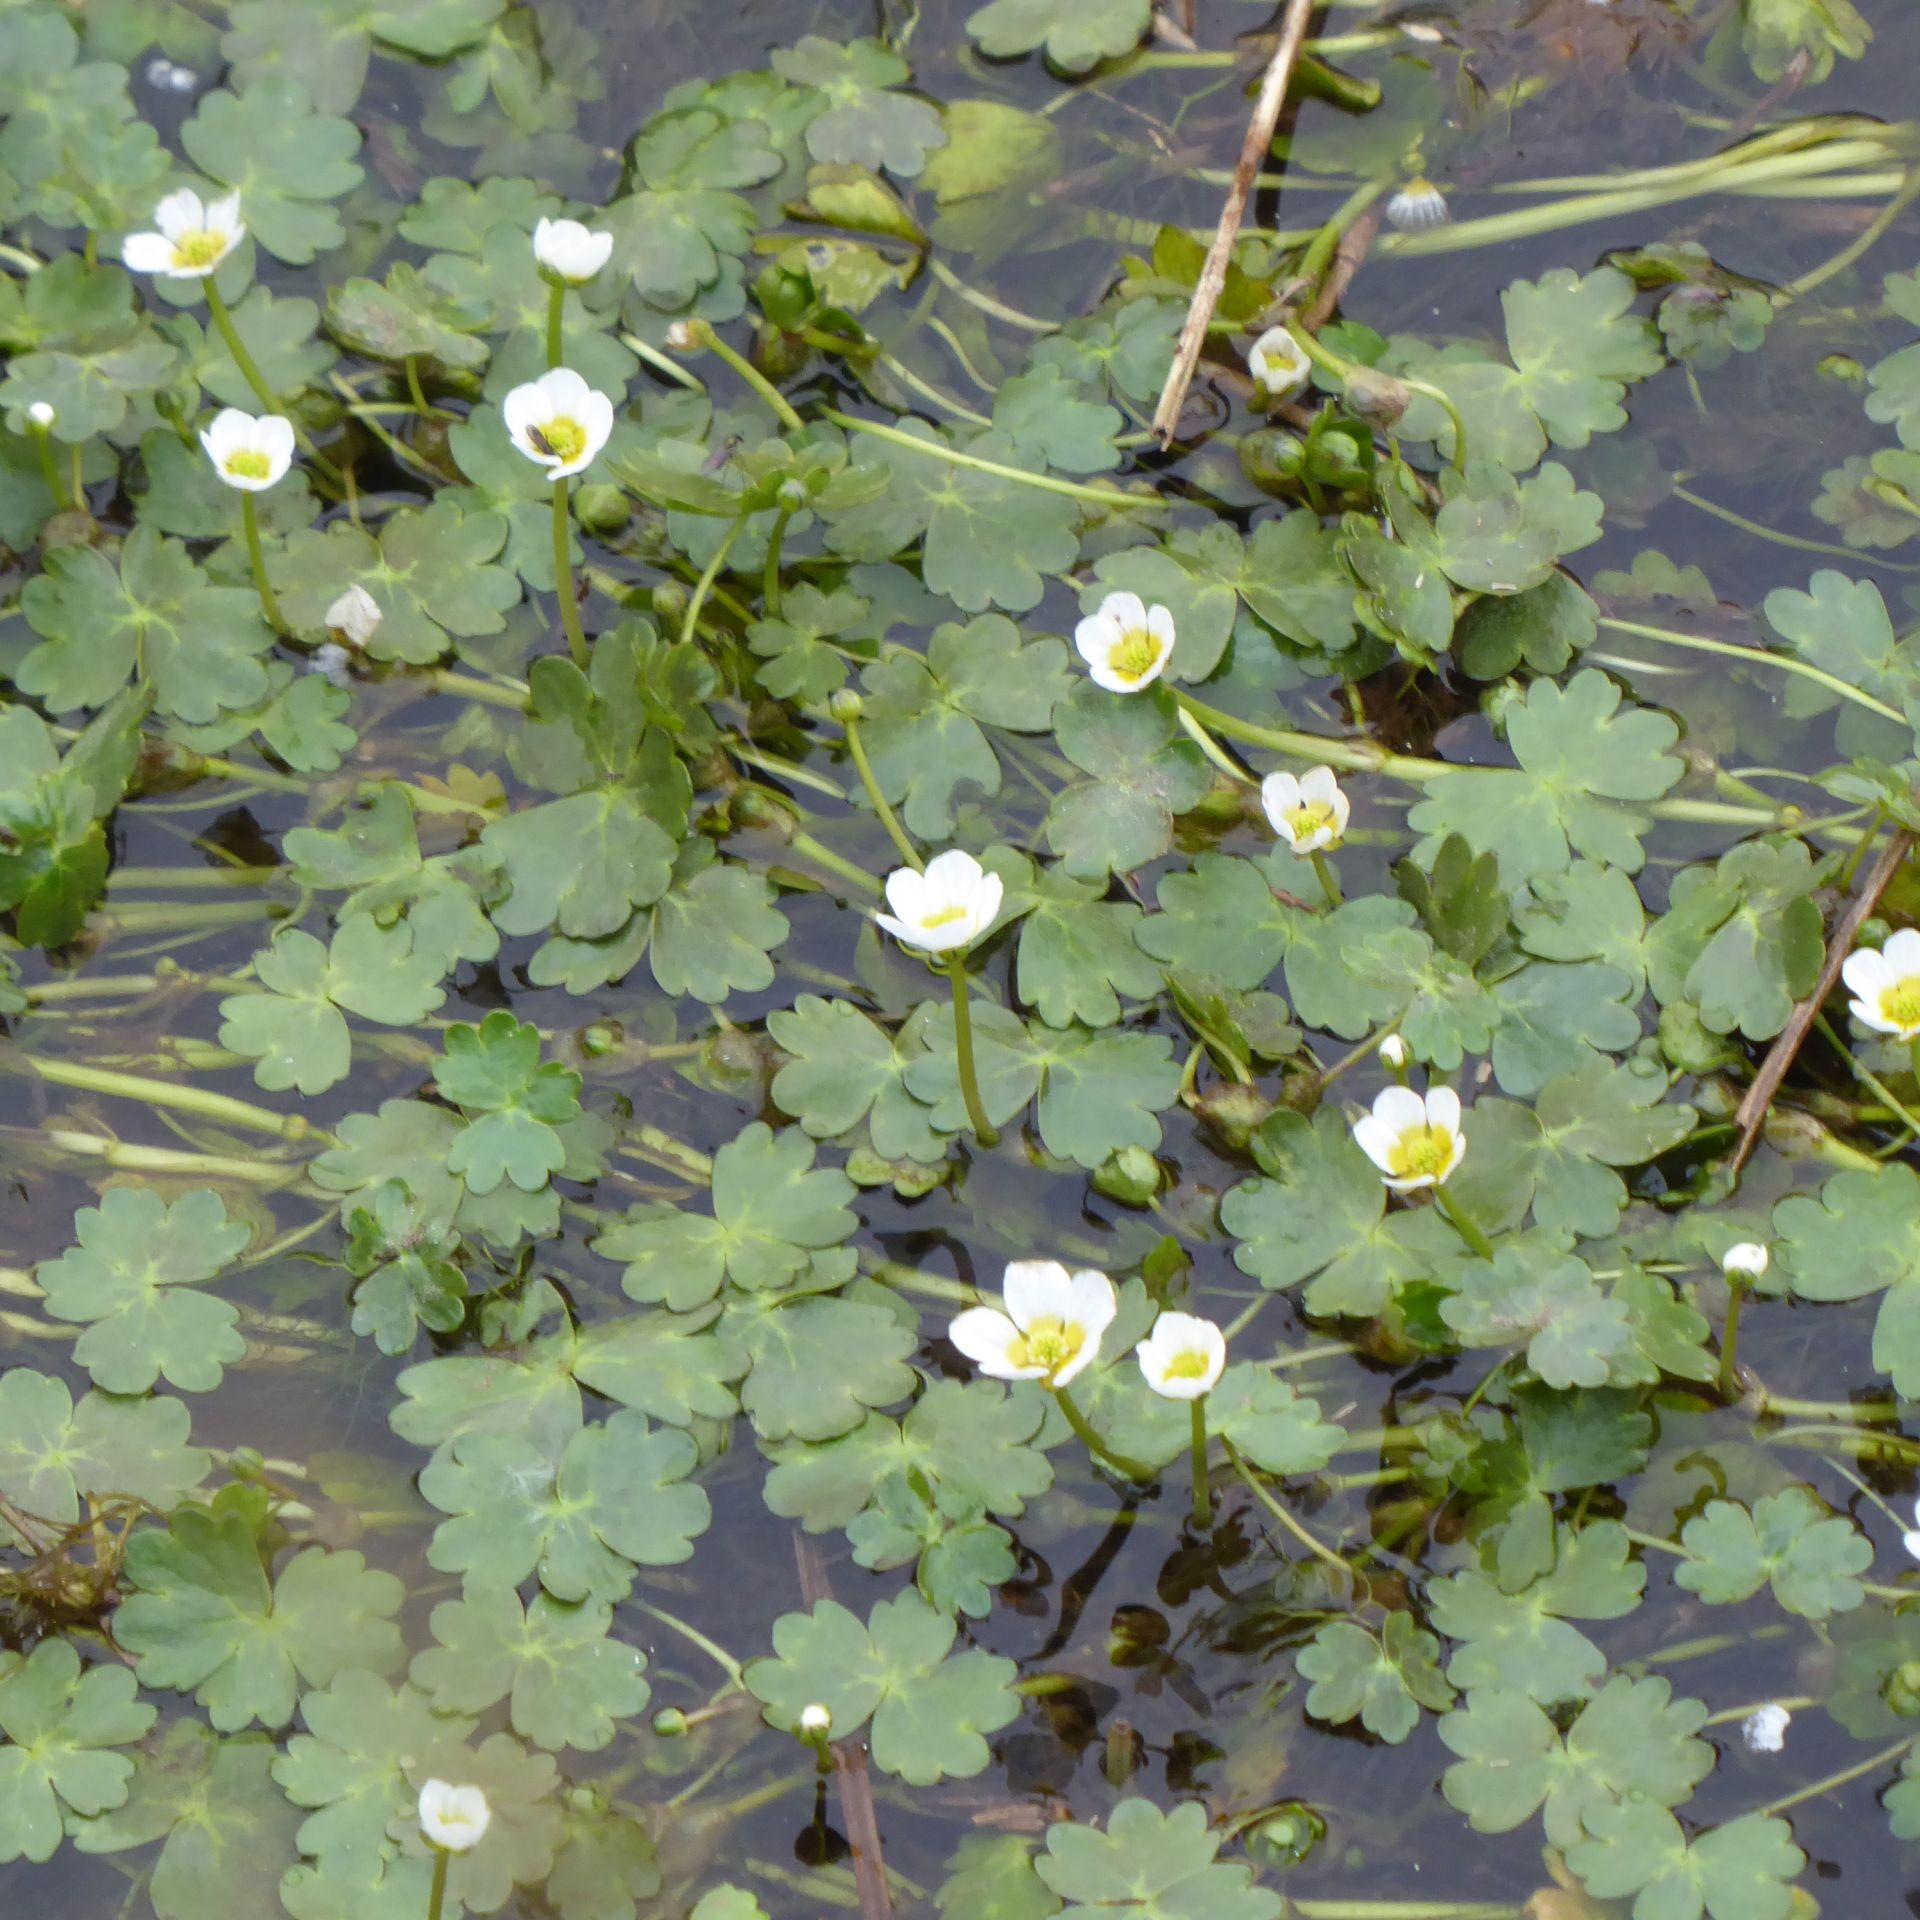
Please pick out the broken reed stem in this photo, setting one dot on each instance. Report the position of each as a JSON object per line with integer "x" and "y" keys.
{"x": 1752, "y": 1114}
{"x": 1213, "y": 275}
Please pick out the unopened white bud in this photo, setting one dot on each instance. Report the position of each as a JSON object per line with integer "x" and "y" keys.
{"x": 41, "y": 414}
{"x": 355, "y": 616}
{"x": 1748, "y": 1261}
{"x": 816, "y": 1718}
{"x": 1393, "y": 1050}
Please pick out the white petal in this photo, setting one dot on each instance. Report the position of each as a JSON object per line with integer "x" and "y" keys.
{"x": 1902, "y": 951}
{"x": 1376, "y": 1140}
{"x": 1036, "y": 1290}
{"x": 1091, "y": 1301}
{"x": 1442, "y": 1109}
{"x": 147, "y": 253}
{"x": 907, "y": 892}
{"x": 1342, "y": 812}
{"x": 1400, "y": 1109}
{"x": 953, "y": 876}
{"x": 1104, "y": 677}
{"x": 1869, "y": 1015}
{"x": 566, "y": 391}
{"x": 223, "y": 216}
{"x": 1095, "y": 638}
{"x": 274, "y": 437}
{"x": 1410, "y": 1183}
{"x": 1454, "y": 1157}
{"x": 987, "y": 1338}
{"x": 1867, "y": 973}
{"x": 180, "y": 212}
{"x": 987, "y": 908}
{"x": 1160, "y": 625}
{"x": 1124, "y": 610}
{"x": 1318, "y": 784}
{"x": 909, "y": 936}
{"x": 1911, "y": 1541}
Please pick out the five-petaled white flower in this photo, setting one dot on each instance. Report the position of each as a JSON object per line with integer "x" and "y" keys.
{"x": 1414, "y": 1142}
{"x": 1051, "y": 1328}
{"x": 355, "y": 616}
{"x": 1417, "y": 206}
{"x": 1765, "y": 1728}
{"x": 1886, "y": 985}
{"x": 1747, "y": 1261}
{"x": 194, "y": 236}
{"x": 950, "y": 905}
{"x": 1309, "y": 813}
{"x": 453, "y": 1818}
{"x": 570, "y": 252}
{"x": 1279, "y": 365}
{"x": 1127, "y": 644}
{"x": 1183, "y": 1356}
{"x": 559, "y": 421}
{"x": 249, "y": 453}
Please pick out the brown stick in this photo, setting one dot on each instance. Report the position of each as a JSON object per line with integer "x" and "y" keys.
{"x": 1347, "y": 259}
{"x": 850, "y": 1763}
{"x": 1213, "y": 275}
{"x": 1752, "y": 1115}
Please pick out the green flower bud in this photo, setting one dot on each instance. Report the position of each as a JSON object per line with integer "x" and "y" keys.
{"x": 1131, "y": 1176}
{"x": 846, "y": 705}
{"x": 1272, "y": 458}
{"x": 1287, "y": 1835}
{"x": 1377, "y": 398}
{"x": 1231, "y": 1112}
{"x": 669, "y": 1723}
{"x": 669, "y": 603}
{"x": 602, "y": 508}
{"x": 1842, "y": 367}
{"x": 599, "y": 1039}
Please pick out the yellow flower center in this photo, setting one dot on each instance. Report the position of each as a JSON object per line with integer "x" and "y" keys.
{"x": 248, "y": 465}
{"x": 1190, "y": 1365}
{"x": 1900, "y": 1004}
{"x": 1050, "y": 1343}
{"x": 1309, "y": 817}
{"x": 200, "y": 247}
{"x": 565, "y": 439}
{"x": 941, "y": 917}
{"x": 1422, "y": 1152}
{"x": 1136, "y": 654}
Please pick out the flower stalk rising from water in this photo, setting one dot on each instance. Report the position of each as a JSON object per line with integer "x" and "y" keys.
{"x": 1279, "y": 366}
{"x": 943, "y": 910}
{"x": 1310, "y": 814}
{"x": 1049, "y": 1331}
{"x": 1742, "y": 1265}
{"x": 1417, "y": 1141}
{"x": 1182, "y": 1359}
{"x": 569, "y": 255}
{"x": 252, "y": 454}
{"x": 561, "y": 423}
{"x": 452, "y": 1820}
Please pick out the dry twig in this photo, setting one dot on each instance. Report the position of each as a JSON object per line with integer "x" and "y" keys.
{"x": 1213, "y": 275}
{"x": 1752, "y": 1115}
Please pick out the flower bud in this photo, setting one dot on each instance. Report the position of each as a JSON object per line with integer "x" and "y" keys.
{"x": 669, "y": 1723}
{"x": 1131, "y": 1176}
{"x": 42, "y": 415}
{"x": 687, "y": 336}
{"x": 1747, "y": 1262}
{"x": 601, "y": 508}
{"x": 355, "y": 616}
{"x": 846, "y": 705}
{"x": 1393, "y": 1052}
{"x": 816, "y": 1719}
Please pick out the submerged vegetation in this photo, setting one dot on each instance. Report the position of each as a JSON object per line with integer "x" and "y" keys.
{"x": 766, "y": 1076}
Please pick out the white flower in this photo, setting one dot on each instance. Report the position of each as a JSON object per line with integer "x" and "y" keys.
{"x": 1279, "y": 365}
{"x": 194, "y": 236}
{"x": 1393, "y": 1050}
{"x": 1747, "y": 1261}
{"x": 355, "y": 616}
{"x": 42, "y": 415}
{"x": 1414, "y": 1142}
{"x": 454, "y": 1818}
{"x": 1417, "y": 206}
{"x": 950, "y": 905}
{"x": 1051, "y": 1329}
{"x": 1911, "y": 1539}
{"x": 246, "y": 452}
{"x": 816, "y": 1718}
{"x": 1886, "y": 985}
{"x": 1765, "y": 1728}
{"x": 1309, "y": 813}
{"x": 1183, "y": 1356}
{"x": 1127, "y": 644}
{"x": 569, "y": 251}
{"x": 559, "y": 421}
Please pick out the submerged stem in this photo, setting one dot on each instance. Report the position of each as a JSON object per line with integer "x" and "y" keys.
{"x": 1730, "y": 1337}
{"x": 983, "y": 1129}
{"x": 563, "y": 578}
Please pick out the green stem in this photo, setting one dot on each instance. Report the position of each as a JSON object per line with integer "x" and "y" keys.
{"x": 983, "y": 1129}
{"x": 1800, "y": 545}
{"x": 250, "y": 525}
{"x": 835, "y": 863}
{"x": 1463, "y": 1223}
{"x": 437, "y": 1897}
{"x": 1319, "y": 254}
{"x": 1845, "y": 1777}
{"x": 415, "y": 392}
{"x": 51, "y": 470}
{"x": 711, "y": 1648}
{"x": 781, "y": 406}
{"x": 563, "y": 578}
{"x": 1698, "y": 643}
{"x": 1867, "y": 1078}
{"x": 1202, "y": 1493}
{"x": 1343, "y": 370}
{"x": 1323, "y": 872}
{"x": 770, "y": 576}
{"x": 556, "y": 307}
{"x": 1856, "y": 247}
{"x": 1730, "y": 1337}
{"x": 663, "y": 363}
{"x": 251, "y": 374}
{"x": 1280, "y": 1513}
{"x": 878, "y": 800}
{"x": 702, "y": 587}
{"x": 1085, "y": 1434}
{"x": 1111, "y": 498}
{"x": 165, "y": 1093}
